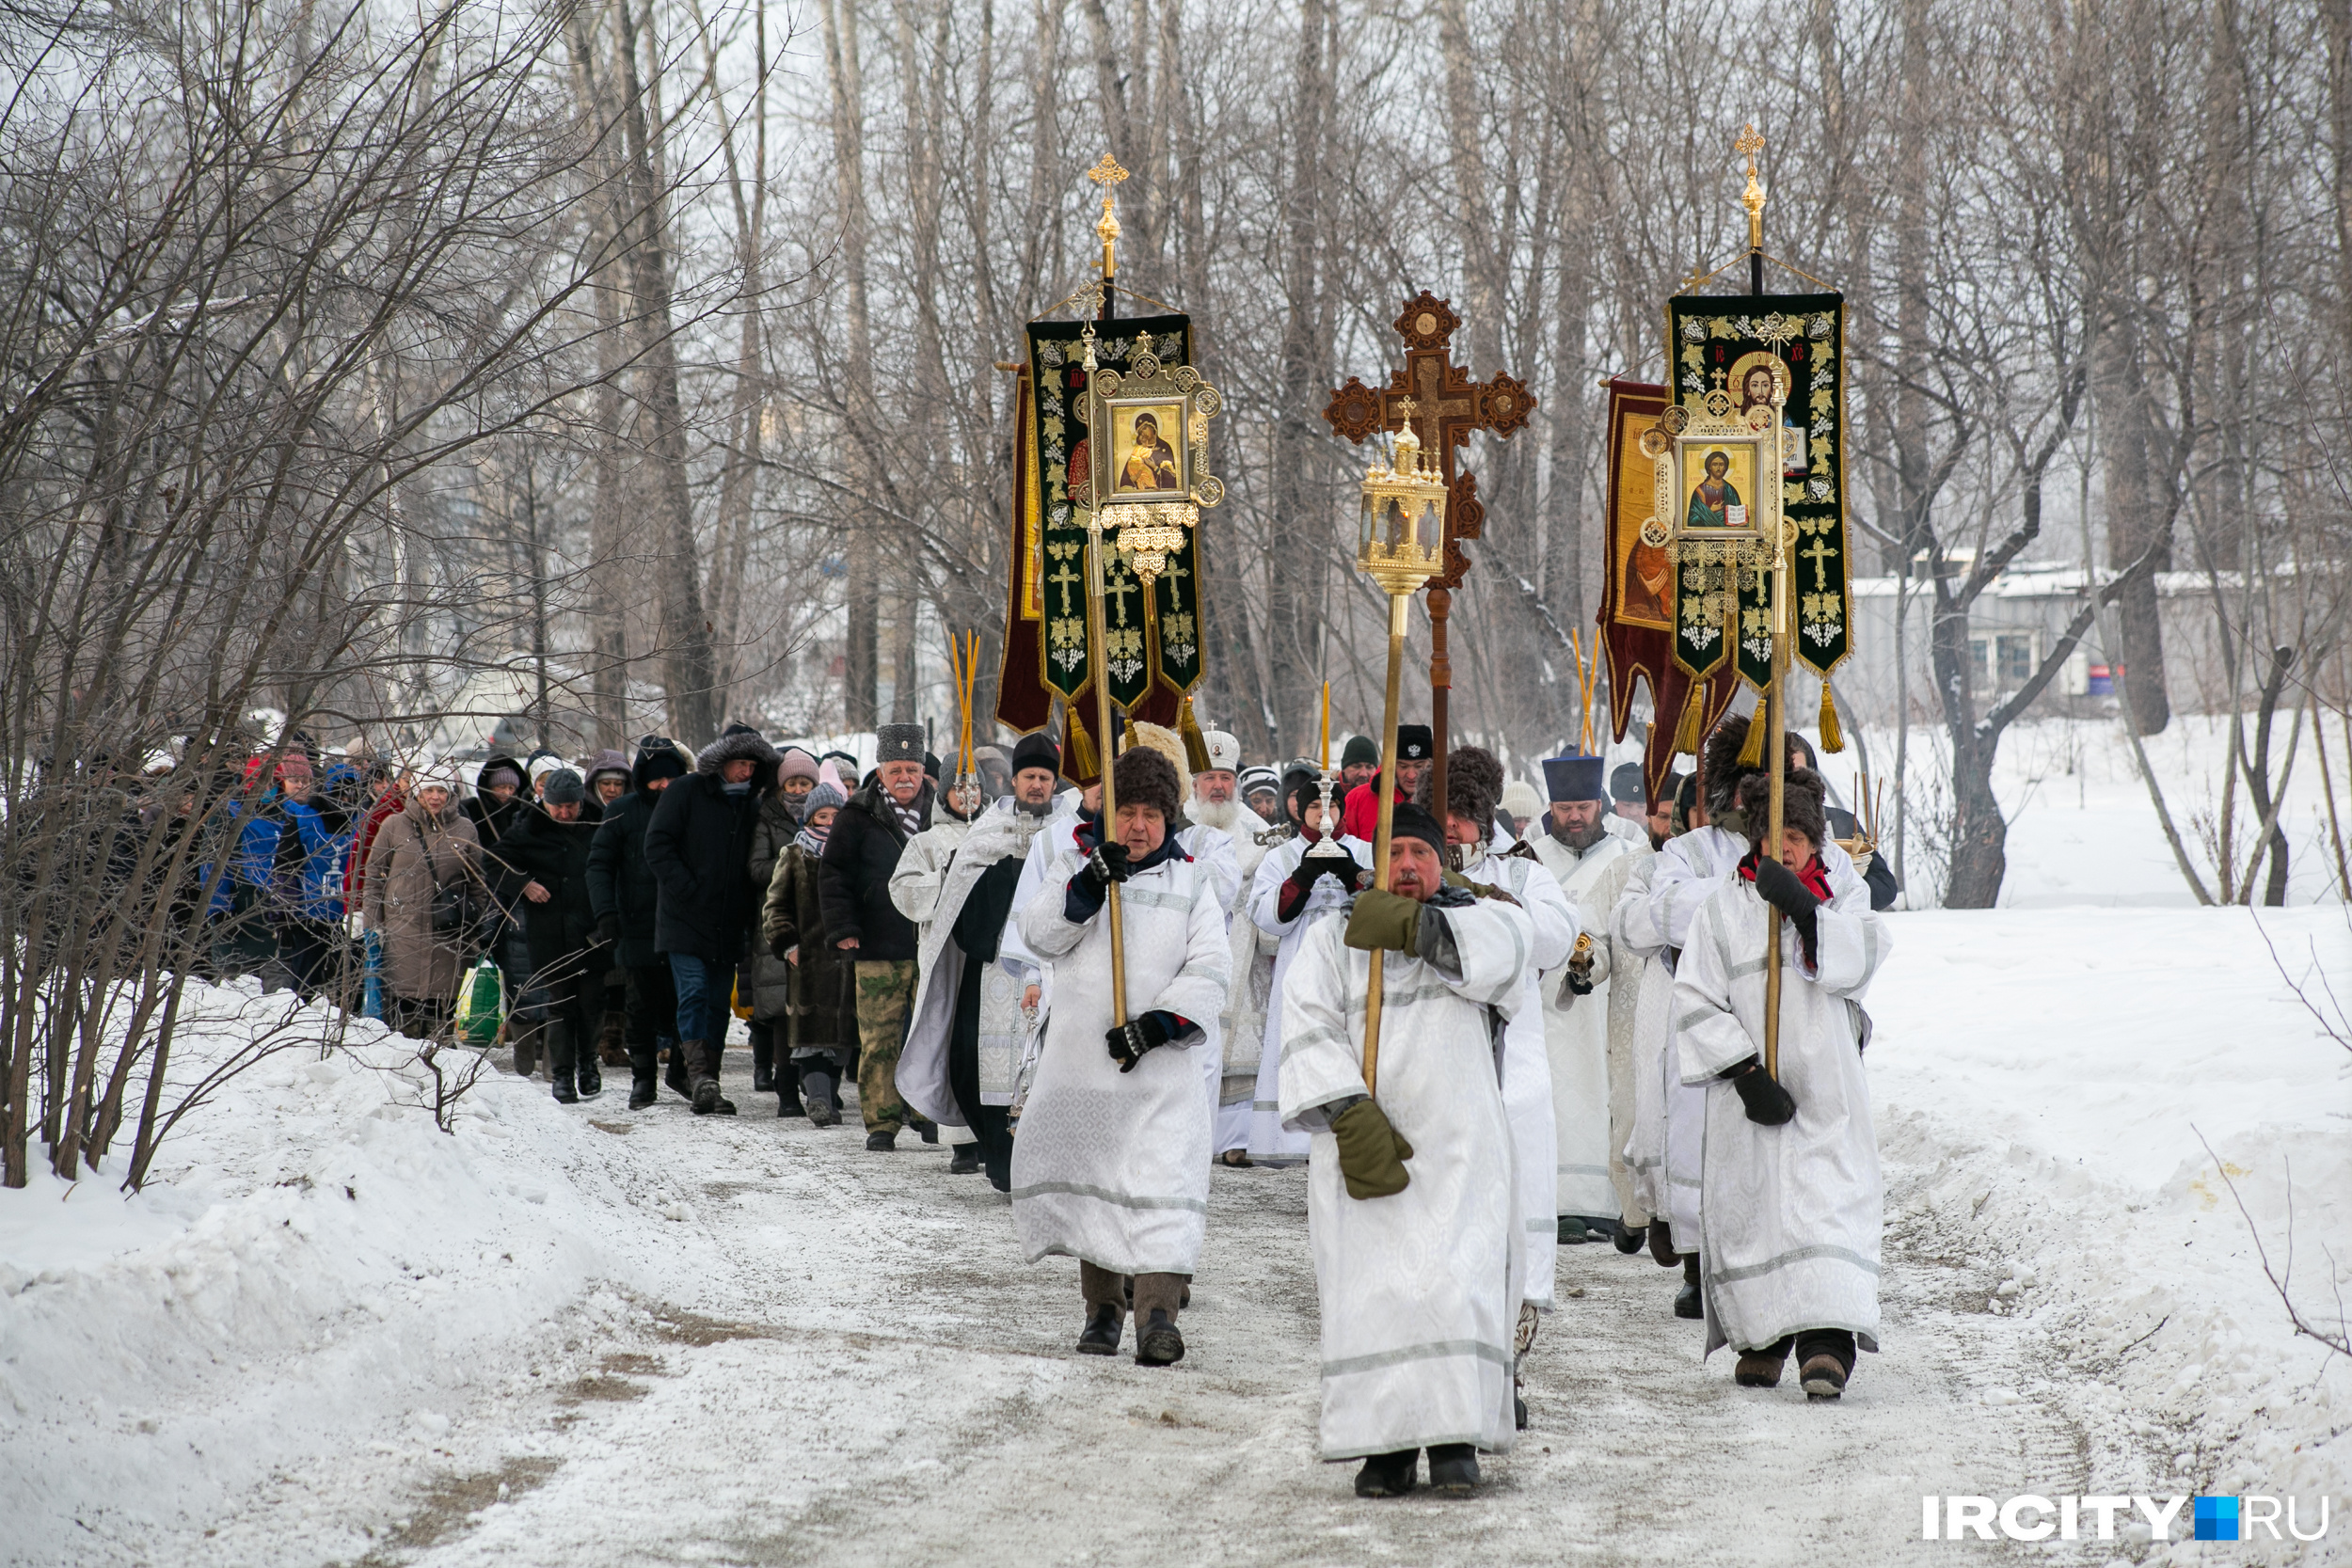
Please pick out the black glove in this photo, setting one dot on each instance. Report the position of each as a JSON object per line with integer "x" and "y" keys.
{"x": 1785, "y": 892}
{"x": 608, "y": 929}
{"x": 1129, "y": 1041}
{"x": 1105, "y": 866}
{"x": 1343, "y": 867}
{"x": 1783, "y": 888}
{"x": 1768, "y": 1102}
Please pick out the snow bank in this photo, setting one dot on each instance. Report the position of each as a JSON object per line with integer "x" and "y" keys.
{"x": 2055, "y": 1071}
{"x": 314, "y": 1265}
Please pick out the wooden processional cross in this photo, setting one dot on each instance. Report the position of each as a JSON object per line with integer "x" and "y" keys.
{"x": 1443, "y": 404}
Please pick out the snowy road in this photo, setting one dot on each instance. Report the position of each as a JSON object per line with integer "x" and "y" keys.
{"x": 850, "y": 1362}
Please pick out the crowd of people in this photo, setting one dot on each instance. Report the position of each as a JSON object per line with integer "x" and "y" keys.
{"x": 1570, "y": 1036}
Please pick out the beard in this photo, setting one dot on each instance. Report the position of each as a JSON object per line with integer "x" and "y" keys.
{"x": 1580, "y": 840}
{"x": 1221, "y": 814}
{"x": 1043, "y": 808}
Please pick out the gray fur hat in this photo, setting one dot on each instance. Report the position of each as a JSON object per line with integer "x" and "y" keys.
{"x": 898, "y": 743}
{"x": 1473, "y": 784}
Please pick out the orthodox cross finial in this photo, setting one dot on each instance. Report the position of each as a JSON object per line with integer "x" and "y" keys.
{"x": 1753, "y": 197}
{"x": 1106, "y": 176}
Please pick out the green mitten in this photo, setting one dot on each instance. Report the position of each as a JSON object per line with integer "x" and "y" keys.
{"x": 1380, "y": 919}
{"x": 1372, "y": 1152}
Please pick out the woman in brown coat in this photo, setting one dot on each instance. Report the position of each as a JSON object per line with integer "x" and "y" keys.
{"x": 823, "y": 1005}
{"x": 428, "y": 842}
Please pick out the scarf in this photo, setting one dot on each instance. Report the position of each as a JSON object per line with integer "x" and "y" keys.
{"x": 1814, "y": 875}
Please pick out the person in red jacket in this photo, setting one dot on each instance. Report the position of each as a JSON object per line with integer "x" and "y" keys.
{"x": 1416, "y": 752}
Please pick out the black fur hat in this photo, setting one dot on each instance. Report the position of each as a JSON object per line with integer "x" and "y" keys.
{"x": 1474, "y": 783}
{"x": 1723, "y": 770}
{"x": 1803, "y": 802}
{"x": 1144, "y": 777}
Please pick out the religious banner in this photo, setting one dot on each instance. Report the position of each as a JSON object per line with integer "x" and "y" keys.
{"x": 1046, "y": 612}
{"x": 1637, "y": 600}
{"x": 1724, "y": 350}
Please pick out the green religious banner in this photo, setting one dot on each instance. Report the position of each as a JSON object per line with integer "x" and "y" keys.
{"x": 1148, "y": 634}
{"x": 1726, "y": 352}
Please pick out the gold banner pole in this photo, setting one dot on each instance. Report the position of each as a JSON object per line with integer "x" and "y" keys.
{"x": 1109, "y": 821}
{"x": 1381, "y": 841}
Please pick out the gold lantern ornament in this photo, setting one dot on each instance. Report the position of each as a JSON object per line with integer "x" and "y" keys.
{"x": 1400, "y": 545}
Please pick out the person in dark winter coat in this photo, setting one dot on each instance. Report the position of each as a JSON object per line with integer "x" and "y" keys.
{"x": 860, "y": 918}
{"x": 780, "y": 817}
{"x": 622, "y": 892}
{"x": 543, "y": 865}
{"x": 821, "y": 1002}
{"x": 607, "y": 774}
{"x": 699, "y": 848}
{"x": 502, "y": 797}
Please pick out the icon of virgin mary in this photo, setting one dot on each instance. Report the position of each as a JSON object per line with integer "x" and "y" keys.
{"x": 1150, "y": 463}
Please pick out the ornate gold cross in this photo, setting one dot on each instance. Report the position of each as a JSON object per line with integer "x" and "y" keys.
{"x": 1753, "y": 197}
{"x": 1106, "y": 176}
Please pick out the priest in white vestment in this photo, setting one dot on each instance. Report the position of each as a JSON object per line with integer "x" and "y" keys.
{"x": 1292, "y": 893}
{"x": 1793, "y": 1199}
{"x": 1110, "y": 1164}
{"x": 1412, "y": 1214}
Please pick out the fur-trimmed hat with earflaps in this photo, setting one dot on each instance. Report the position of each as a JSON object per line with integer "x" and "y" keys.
{"x": 1160, "y": 739}
{"x": 1473, "y": 786}
{"x": 1144, "y": 777}
{"x": 1725, "y": 767}
{"x": 1803, "y": 802}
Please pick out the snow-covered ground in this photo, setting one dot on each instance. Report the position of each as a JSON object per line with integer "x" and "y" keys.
{"x": 333, "y": 1333}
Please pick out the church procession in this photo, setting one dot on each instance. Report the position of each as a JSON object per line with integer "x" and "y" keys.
{"x": 1608, "y": 999}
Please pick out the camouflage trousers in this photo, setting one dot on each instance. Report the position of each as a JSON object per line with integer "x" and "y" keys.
{"x": 885, "y": 994}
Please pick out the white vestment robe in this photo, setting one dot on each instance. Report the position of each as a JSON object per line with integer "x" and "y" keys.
{"x": 1108, "y": 1167}
{"x": 1235, "y": 1080}
{"x": 1589, "y": 1080}
{"x": 1270, "y": 1142}
{"x": 933, "y": 899}
{"x": 1420, "y": 1290}
{"x": 1791, "y": 1218}
{"x": 1526, "y": 1091}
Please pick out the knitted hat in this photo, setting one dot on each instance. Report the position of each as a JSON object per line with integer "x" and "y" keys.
{"x": 1259, "y": 778}
{"x": 1144, "y": 777}
{"x": 796, "y": 764}
{"x": 830, "y": 791}
{"x": 1520, "y": 801}
{"x": 1167, "y": 743}
{"x": 563, "y": 787}
{"x": 1411, "y": 821}
{"x": 1574, "y": 778}
{"x": 1037, "y": 749}
{"x": 1801, "y": 802}
{"x": 898, "y": 743}
{"x": 495, "y": 770}
{"x": 1360, "y": 748}
{"x": 542, "y": 763}
{"x": 1224, "y": 752}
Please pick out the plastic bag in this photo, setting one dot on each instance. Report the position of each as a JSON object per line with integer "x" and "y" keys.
{"x": 480, "y": 1005}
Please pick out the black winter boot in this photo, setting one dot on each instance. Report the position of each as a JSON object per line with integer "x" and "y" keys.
{"x": 1687, "y": 1299}
{"x": 565, "y": 1093}
{"x": 1100, "y": 1334}
{"x": 704, "y": 1060}
{"x": 1453, "y": 1470}
{"x": 526, "y": 1050}
{"x": 1387, "y": 1475}
{"x": 817, "y": 1094}
{"x": 1159, "y": 1343}
{"x": 966, "y": 1160}
{"x": 675, "y": 1075}
{"x": 788, "y": 1094}
{"x": 644, "y": 1078}
{"x": 1630, "y": 1239}
{"x": 763, "y": 1063}
{"x": 591, "y": 1075}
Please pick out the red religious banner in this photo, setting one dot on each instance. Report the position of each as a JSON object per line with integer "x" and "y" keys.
{"x": 1637, "y": 601}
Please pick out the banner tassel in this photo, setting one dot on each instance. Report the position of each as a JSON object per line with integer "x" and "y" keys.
{"x": 1833, "y": 737}
{"x": 1196, "y": 744}
{"x": 1694, "y": 711}
{"x": 1079, "y": 760}
{"x": 1752, "y": 749}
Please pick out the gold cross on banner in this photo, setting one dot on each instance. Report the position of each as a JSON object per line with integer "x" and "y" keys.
{"x": 1118, "y": 592}
{"x": 1063, "y": 579}
{"x": 1820, "y": 554}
